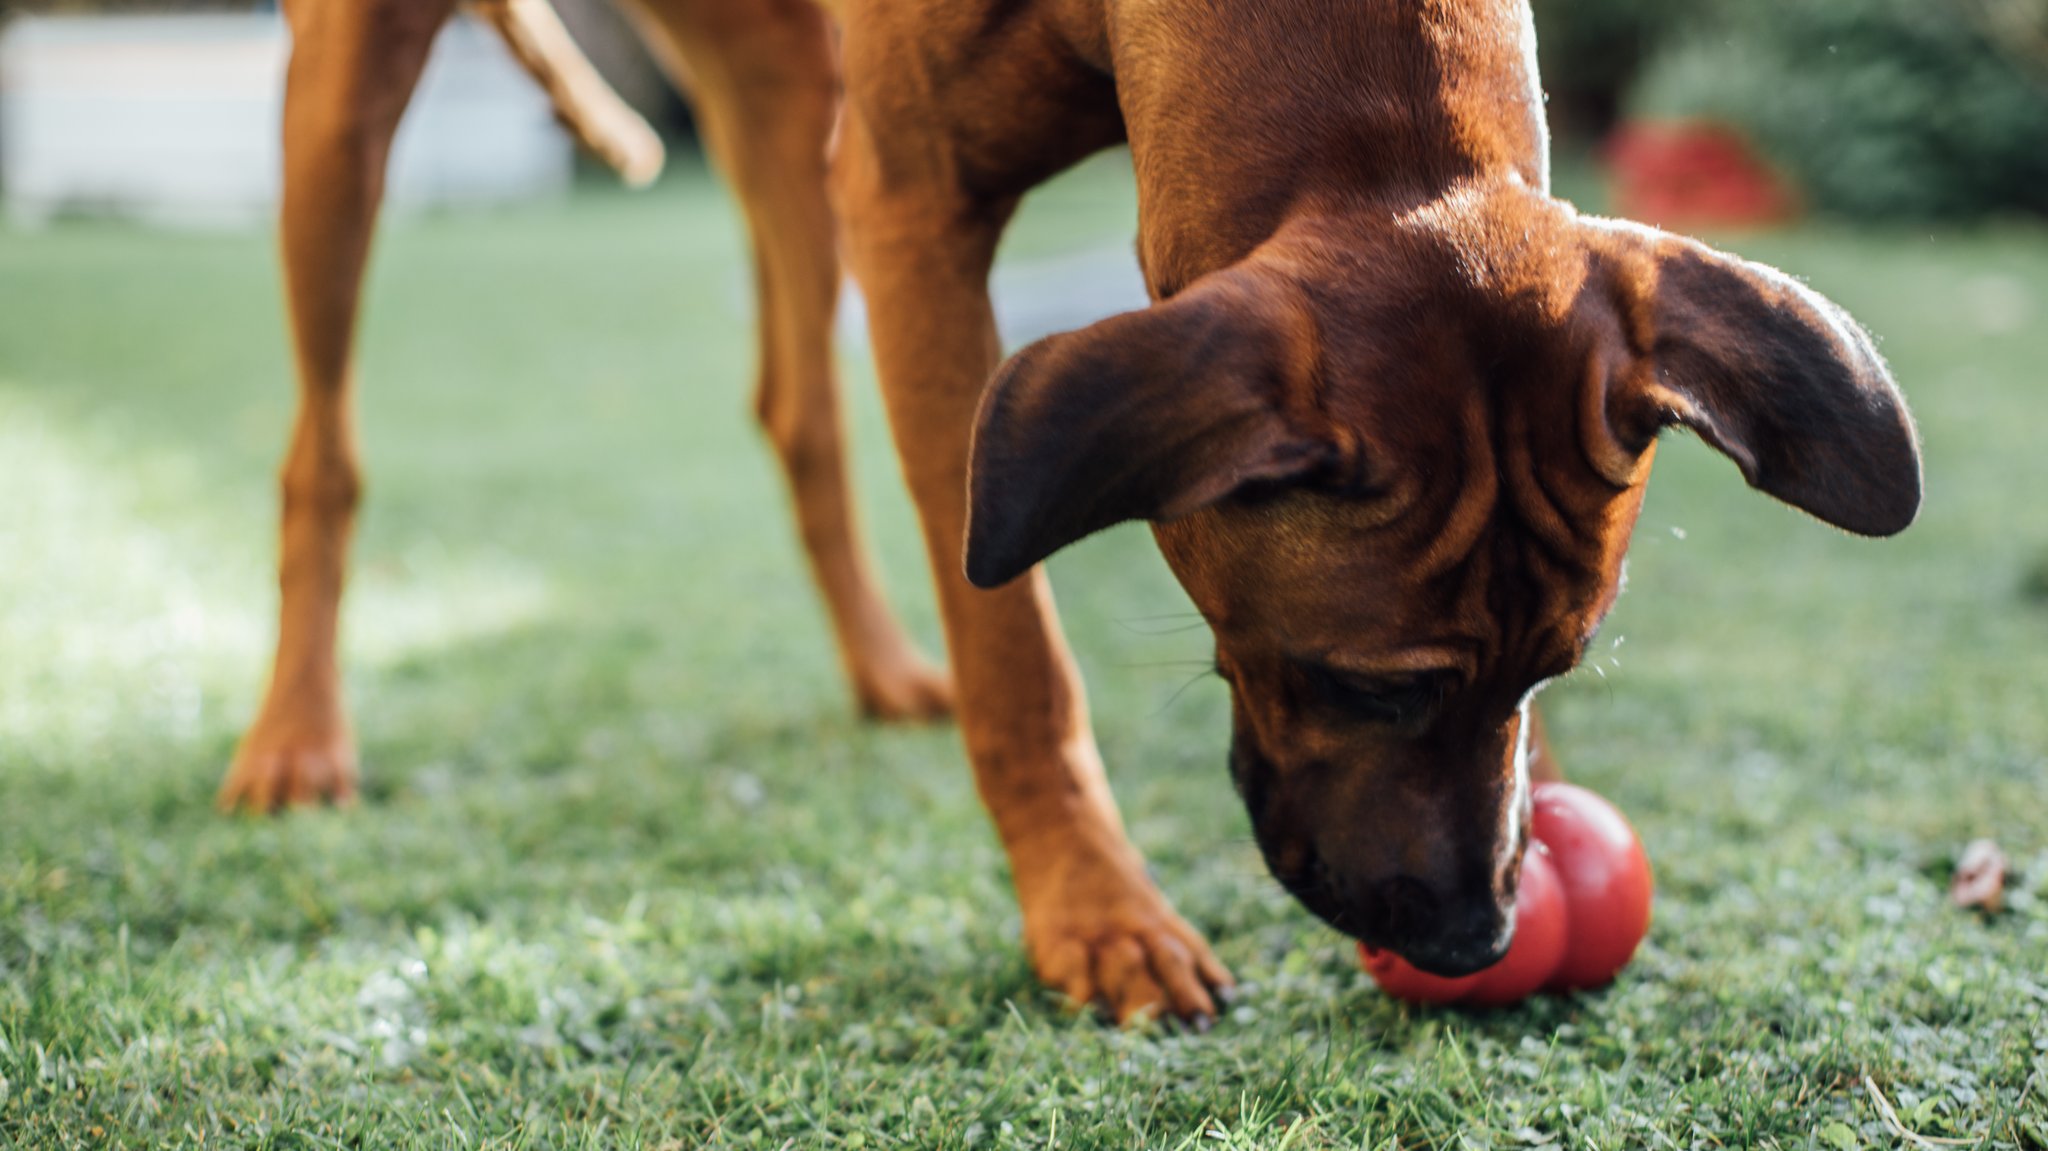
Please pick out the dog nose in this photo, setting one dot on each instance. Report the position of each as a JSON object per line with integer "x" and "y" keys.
{"x": 1444, "y": 936}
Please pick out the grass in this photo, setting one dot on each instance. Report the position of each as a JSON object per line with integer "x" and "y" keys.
{"x": 627, "y": 873}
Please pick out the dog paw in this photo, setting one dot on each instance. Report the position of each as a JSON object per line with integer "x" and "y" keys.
{"x": 910, "y": 690}
{"x": 1113, "y": 941}
{"x": 276, "y": 767}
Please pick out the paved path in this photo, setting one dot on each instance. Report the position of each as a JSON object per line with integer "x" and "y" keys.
{"x": 1035, "y": 298}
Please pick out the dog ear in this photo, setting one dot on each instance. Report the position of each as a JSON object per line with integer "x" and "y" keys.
{"x": 1772, "y": 374}
{"x": 1147, "y": 415}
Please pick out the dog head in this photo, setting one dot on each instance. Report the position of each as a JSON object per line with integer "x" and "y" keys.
{"x": 1396, "y": 467}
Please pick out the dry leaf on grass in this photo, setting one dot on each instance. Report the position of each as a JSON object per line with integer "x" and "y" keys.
{"x": 1980, "y": 877}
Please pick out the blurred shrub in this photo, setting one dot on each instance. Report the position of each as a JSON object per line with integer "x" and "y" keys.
{"x": 1875, "y": 108}
{"x": 1590, "y": 51}
{"x": 2034, "y": 582}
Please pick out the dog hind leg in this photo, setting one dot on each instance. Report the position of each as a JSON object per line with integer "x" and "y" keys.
{"x": 762, "y": 76}
{"x": 354, "y": 64}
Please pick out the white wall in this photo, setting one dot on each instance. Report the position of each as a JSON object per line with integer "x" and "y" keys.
{"x": 175, "y": 120}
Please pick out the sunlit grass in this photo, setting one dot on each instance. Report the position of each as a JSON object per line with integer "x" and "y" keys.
{"x": 144, "y": 620}
{"x": 628, "y": 873}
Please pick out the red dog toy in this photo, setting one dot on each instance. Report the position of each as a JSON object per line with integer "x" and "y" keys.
{"x": 1583, "y": 907}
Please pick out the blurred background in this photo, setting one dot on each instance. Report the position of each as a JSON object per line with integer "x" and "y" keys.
{"x": 1718, "y": 112}
{"x": 625, "y": 855}
{"x": 1753, "y": 110}
{"x": 169, "y": 112}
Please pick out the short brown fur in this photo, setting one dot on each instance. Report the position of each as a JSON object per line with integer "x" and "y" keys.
{"x": 1391, "y": 412}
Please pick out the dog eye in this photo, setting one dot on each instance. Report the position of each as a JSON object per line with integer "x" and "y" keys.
{"x": 1398, "y": 701}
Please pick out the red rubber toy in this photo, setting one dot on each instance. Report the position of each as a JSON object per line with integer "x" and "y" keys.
{"x": 1606, "y": 881}
{"x": 1582, "y": 909}
{"x": 1541, "y": 933}
{"x": 1403, "y": 981}
{"x": 1534, "y": 955}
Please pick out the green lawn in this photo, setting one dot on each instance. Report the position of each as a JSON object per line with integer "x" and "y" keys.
{"x": 628, "y": 873}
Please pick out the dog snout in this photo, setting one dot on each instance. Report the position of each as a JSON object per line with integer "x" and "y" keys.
{"x": 1441, "y": 934}
{"x": 1442, "y": 926}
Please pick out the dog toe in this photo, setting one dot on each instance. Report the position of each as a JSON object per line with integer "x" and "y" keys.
{"x": 1180, "y": 972}
{"x": 266, "y": 777}
{"x": 1125, "y": 971}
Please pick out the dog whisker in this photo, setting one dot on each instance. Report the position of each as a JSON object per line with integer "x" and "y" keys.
{"x": 1178, "y": 622}
{"x": 1207, "y": 671}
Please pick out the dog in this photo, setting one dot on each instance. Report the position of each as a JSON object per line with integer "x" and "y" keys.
{"x": 1390, "y": 413}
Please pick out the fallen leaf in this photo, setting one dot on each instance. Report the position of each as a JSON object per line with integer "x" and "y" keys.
{"x": 1980, "y": 877}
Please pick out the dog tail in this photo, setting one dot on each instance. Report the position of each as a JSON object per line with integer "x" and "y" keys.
{"x": 584, "y": 103}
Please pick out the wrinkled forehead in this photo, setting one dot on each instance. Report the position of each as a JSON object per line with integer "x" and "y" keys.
{"x": 1254, "y": 564}
{"x": 1500, "y": 558}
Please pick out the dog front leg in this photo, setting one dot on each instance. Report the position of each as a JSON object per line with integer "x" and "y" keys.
{"x": 353, "y": 67}
{"x": 1096, "y": 926}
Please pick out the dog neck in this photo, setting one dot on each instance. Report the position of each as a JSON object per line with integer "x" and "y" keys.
{"x": 1241, "y": 118}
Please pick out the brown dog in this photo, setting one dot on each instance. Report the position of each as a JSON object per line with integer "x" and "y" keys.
{"x": 1391, "y": 413}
